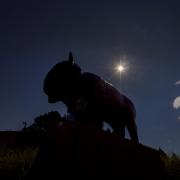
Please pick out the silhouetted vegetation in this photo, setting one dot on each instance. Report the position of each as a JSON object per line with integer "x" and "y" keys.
{"x": 15, "y": 163}
{"x": 44, "y": 122}
{"x": 15, "y": 160}
{"x": 34, "y": 133}
{"x": 172, "y": 165}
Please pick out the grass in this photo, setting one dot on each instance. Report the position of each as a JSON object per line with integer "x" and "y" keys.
{"x": 172, "y": 166}
{"x": 15, "y": 160}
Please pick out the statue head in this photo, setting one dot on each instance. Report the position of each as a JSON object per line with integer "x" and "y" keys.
{"x": 60, "y": 80}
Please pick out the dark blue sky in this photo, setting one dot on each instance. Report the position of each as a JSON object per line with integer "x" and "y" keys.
{"x": 145, "y": 35}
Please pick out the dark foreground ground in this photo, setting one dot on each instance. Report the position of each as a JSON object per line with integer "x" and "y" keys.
{"x": 73, "y": 150}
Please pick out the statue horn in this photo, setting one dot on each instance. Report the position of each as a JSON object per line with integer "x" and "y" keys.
{"x": 70, "y": 59}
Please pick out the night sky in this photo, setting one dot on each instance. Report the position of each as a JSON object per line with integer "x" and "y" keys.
{"x": 143, "y": 35}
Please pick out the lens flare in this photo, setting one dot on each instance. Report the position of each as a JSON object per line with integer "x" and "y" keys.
{"x": 120, "y": 68}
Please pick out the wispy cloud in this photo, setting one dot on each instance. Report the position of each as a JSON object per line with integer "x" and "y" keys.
{"x": 176, "y": 102}
{"x": 177, "y": 83}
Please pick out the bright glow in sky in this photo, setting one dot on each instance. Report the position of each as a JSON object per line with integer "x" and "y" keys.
{"x": 120, "y": 68}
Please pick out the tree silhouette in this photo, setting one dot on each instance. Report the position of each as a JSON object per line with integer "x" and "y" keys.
{"x": 35, "y": 133}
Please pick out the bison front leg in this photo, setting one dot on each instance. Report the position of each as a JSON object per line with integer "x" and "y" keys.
{"x": 132, "y": 129}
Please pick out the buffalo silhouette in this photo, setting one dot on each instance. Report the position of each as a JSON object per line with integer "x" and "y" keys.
{"x": 90, "y": 99}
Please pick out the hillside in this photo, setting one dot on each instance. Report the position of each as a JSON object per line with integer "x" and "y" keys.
{"x": 15, "y": 158}
{"x": 85, "y": 152}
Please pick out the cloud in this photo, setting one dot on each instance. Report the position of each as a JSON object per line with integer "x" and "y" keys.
{"x": 177, "y": 83}
{"x": 176, "y": 102}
